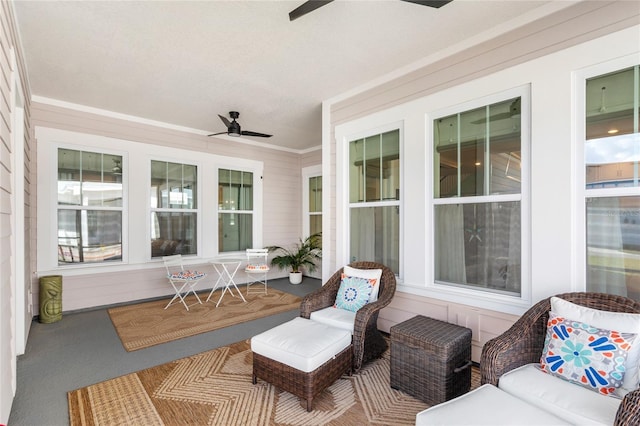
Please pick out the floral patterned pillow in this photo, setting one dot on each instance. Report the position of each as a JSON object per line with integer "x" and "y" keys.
{"x": 186, "y": 275}
{"x": 353, "y": 293}
{"x": 261, "y": 267}
{"x": 586, "y": 355}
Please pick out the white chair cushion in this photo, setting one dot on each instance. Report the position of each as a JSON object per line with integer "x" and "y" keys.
{"x": 301, "y": 343}
{"x": 486, "y": 406}
{"x": 186, "y": 275}
{"x": 571, "y": 402}
{"x": 335, "y": 317}
{"x": 257, "y": 268}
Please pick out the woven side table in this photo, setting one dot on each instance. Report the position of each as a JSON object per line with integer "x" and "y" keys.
{"x": 430, "y": 359}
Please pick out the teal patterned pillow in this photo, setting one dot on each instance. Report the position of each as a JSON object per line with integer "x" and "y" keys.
{"x": 586, "y": 355}
{"x": 353, "y": 293}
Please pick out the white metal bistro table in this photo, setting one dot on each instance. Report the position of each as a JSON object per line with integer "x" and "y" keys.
{"x": 226, "y": 267}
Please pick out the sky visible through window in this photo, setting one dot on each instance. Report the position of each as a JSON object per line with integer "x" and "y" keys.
{"x": 616, "y": 149}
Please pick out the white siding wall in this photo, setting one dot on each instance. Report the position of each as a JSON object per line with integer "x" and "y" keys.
{"x": 544, "y": 55}
{"x": 15, "y": 314}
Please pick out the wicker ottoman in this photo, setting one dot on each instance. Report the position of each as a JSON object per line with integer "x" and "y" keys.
{"x": 302, "y": 357}
{"x": 430, "y": 359}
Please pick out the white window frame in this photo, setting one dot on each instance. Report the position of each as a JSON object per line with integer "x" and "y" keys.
{"x": 458, "y": 292}
{"x": 580, "y": 78}
{"x": 136, "y": 194}
{"x": 343, "y": 203}
{"x": 308, "y": 173}
{"x": 197, "y": 210}
{"x": 256, "y": 220}
{"x": 123, "y": 209}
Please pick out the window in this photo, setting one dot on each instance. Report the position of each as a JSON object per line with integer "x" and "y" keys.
{"x": 477, "y": 197}
{"x": 311, "y": 200}
{"x": 612, "y": 203}
{"x": 235, "y": 210}
{"x": 374, "y": 199}
{"x": 315, "y": 205}
{"x": 174, "y": 207}
{"x": 90, "y": 204}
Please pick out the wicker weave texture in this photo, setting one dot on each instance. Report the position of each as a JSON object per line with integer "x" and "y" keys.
{"x": 303, "y": 385}
{"x": 523, "y": 342}
{"x": 368, "y": 341}
{"x": 428, "y": 359}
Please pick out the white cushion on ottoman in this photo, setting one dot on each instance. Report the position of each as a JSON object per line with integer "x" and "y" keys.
{"x": 486, "y": 406}
{"x": 301, "y": 343}
{"x": 335, "y": 317}
{"x": 566, "y": 400}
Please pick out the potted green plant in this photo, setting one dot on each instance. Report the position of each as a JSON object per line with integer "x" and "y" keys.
{"x": 303, "y": 254}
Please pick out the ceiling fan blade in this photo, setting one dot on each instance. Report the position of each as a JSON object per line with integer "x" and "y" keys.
{"x": 431, "y": 3}
{"x": 225, "y": 120}
{"x": 216, "y": 134}
{"x": 306, "y": 7}
{"x": 250, "y": 133}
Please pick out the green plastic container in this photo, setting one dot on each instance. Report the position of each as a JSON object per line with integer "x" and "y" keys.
{"x": 50, "y": 299}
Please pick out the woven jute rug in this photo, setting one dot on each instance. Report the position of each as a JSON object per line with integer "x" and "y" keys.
{"x": 214, "y": 388}
{"x": 146, "y": 324}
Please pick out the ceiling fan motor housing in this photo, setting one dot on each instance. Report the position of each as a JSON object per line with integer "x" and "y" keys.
{"x": 234, "y": 127}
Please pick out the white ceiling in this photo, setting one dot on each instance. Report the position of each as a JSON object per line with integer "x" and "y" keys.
{"x": 185, "y": 62}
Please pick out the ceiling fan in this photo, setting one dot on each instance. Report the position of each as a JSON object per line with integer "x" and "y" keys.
{"x": 233, "y": 127}
{"x": 311, "y": 5}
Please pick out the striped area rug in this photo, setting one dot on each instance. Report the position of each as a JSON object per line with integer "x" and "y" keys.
{"x": 214, "y": 388}
{"x": 147, "y": 324}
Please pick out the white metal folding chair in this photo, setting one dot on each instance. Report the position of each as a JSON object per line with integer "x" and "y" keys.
{"x": 183, "y": 281}
{"x": 257, "y": 268}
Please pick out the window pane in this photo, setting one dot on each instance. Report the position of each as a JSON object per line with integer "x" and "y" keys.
{"x": 100, "y": 186}
{"x": 235, "y": 190}
{"x": 245, "y": 198}
{"x": 89, "y": 178}
{"x": 173, "y": 233}
{"x": 190, "y": 186}
{"x": 159, "y": 194}
{"x": 372, "y": 168}
{"x": 613, "y": 245}
{"x": 609, "y": 104}
{"x": 177, "y": 198}
{"x": 391, "y": 165}
{"x": 235, "y": 231}
{"x": 374, "y": 171}
{"x": 315, "y": 194}
{"x": 446, "y": 156}
{"x": 612, "y": 149}
{"x": 478, "y": 245}
{"x": 112, "y": 180}
{"x": 87, "y": 236}
{"x": 612, "y": 162}
{"x": 356, "y": 171}
{"x": 375, "y": 235}
{"x": 69, "y": 177}
{"x": 504, "y": 147}
{"x": 315, "y": 224}
{"x": 173, "y": 185}
{"x": 472, "y": 148}
{"x": 477, "y": 152}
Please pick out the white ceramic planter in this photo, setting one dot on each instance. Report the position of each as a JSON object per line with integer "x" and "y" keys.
{"x": 295, "y": 277}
